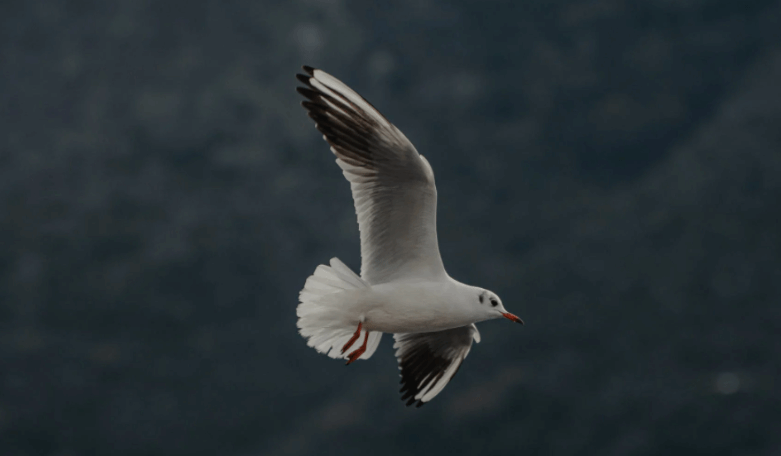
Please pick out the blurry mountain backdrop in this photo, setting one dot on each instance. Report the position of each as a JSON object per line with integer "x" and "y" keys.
{"x": 612, "y": 169}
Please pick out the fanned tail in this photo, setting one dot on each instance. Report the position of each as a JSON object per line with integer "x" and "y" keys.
{"x": 323, "y": 318}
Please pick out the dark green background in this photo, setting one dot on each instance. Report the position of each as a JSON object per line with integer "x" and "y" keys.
{"x": 612, "y": 169}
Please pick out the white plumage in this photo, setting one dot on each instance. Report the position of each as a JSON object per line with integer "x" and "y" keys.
{"x": 403, "y": 287}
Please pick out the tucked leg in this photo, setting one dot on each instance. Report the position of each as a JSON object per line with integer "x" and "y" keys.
{"x": 359, "y": 351}
{"x": 353, "y": 338}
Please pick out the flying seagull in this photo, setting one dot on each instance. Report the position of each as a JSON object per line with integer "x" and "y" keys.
{"x": 403, "y": 287}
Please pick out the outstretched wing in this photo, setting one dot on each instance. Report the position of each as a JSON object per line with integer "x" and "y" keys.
{"x": 392, "y": 184}
{"x": 429, "y": 360}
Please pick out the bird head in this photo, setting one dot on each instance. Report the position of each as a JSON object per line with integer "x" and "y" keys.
{"x": 493, "y": 305}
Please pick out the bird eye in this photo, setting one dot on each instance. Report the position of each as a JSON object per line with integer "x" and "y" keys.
{"x": 494, "y": 302}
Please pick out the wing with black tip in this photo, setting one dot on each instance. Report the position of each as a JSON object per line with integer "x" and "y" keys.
{"x": 392, "y": 184}
{"x": 428, "y": 361}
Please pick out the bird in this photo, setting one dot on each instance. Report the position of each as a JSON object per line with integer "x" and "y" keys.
{"x": 403, "y": 288}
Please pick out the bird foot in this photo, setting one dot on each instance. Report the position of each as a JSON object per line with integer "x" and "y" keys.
{"x": 352, "y": 339}
{"x": 359, "y": 351}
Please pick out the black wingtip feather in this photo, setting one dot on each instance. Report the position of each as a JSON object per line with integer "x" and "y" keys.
{"x": 307, "y": 92}
{"x": 425, "y": 358}
{"x": 304, "y": 79}
{"x": 355, "y": 135}
{"x": 312, "y": 106}
{"x": 348, "y": 129}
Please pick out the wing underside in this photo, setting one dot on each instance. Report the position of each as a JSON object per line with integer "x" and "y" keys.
{"x": 392, "y": 184}
{"x": 428, "y": 361}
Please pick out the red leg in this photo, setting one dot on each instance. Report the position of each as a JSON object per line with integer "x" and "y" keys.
{"x": 358, "y": 352}
{"x": 352, "y": 339}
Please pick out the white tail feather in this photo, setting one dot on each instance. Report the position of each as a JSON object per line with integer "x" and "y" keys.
{"x": 325, "y": 319}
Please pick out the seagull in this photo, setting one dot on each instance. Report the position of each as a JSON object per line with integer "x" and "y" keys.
{"x": 403, "y": 288}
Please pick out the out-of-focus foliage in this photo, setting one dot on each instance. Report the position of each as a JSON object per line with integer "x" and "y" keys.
{"x": 612, "y": 169}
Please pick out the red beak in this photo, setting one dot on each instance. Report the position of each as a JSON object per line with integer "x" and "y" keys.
{"x": 512, "y": 317}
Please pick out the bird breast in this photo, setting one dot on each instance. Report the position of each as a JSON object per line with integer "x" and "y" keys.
{"x": 408, "y": 307}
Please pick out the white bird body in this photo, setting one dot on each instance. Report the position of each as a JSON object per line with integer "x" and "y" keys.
{"x": 403, "y": 287}
{"x": 412, "y": 306}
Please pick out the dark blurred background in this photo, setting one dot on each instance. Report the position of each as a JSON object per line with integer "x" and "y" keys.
{"x": 612, "y": 169}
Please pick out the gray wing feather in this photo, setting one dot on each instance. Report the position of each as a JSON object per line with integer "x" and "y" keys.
{"x": 392, "y": 184}
{"x": 428, "y": 361}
